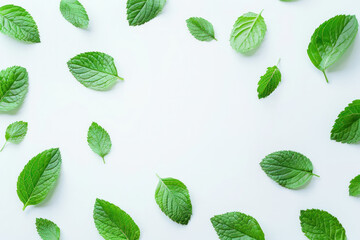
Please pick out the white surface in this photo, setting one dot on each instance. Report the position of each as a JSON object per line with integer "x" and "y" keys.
{"x": 187, "y": 109}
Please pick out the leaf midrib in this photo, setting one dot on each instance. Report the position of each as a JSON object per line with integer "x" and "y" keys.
{"x": 251, "y": 28}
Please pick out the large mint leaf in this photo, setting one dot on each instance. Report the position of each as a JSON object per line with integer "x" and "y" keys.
{"x": 346, "y": 128}
{"x": 39, "y": 177}
{"x": 248, "y": 32}
{"x": 320, "y": 225}
{"x": 354, "y": 187}
{"x": 18, "y": 23}
{"x": 113, "y": 223}
{"x": 94, "y": 70}
{"x": 269, "y": 82}
{"x": 47, "y": 229}
{"x": 13, "y": 88}
{"x": 173, "y": 198}
{"x": 142, "y": 11}
{"x": 201, "y": 29}
{"x": 15, "y": 132}
{"x": 331, "y": 40}
{"x": 288, "y": 168}
{"x": 75, "y": 13}
{"x": 237, "y": 226}
{"x": 99, "y": 140}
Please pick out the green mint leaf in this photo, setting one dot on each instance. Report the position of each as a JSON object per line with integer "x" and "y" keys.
{"x": 269, "y": 82}
{"x": 201, "y": 29}
{"x": 173, "y": 198}
{"x": 15, "y": 132}
{"x": 331, "y": 40}
{"x": 47, "y": 229}
{"x": 346, "y": 128}
{"x": 13, "y": 88}
{"x": 318, "y": 225}
{"x": 354, "y": 187}
{"x": 16, "y": 22}
{"x": 289, "y": 169}
{"x": 39, "y": 177}
{"x": 248, "y": 32}
{"x": 236, "y": 225}
{"x": 99, "y": 140}
{"x": 74, "y": 12}
{"x": 142, "y": 11}
{"x": 94, "y": 70}
{"x": 113, "y": 223}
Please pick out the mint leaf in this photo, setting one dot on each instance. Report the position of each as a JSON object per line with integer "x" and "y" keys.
{"x": 39, "y": 177}
{"x": 346, "y": 128}
{"x": 236, "y": 225}
{"x": 15, "y": 132}
{"x": 94, "y": 70}
{"x": 269, "y": 82}
{"x": 113, "y": 223}
{"x": 248, "y": 32}
{"x": 13, "y": 88}
{"x": 318, "y": 225}
{"x": 354, "y": 187}
{"x": 289, "y": 169}
{"x": 142, "y": 11}
{"x": 331, "y": 40}
{"x": 99, "y": 140}
{"x": 16, "y": 22}
{"x": 75, "y": 13}
{"x": 47, "y": 229}
{"x": 201, "y": 29}
{"x": 173, "y": 198}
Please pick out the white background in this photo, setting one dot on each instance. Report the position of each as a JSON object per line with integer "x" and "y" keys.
{"x": 187, "y": 109}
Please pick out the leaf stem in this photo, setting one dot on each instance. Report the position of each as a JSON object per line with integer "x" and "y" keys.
{"x": 3, "y": 146}
{"x": 278, "y": 62}
{"x": 261, "y": 12}
{"x": 315, "y": 175}
{"x": 158, "y": 176}
{"x": 103, "y": 158}
{"x": 327, "y": 80}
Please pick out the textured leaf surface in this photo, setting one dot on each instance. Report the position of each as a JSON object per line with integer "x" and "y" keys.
{"x": 113, "y": 223}
{"x": 248, "y": 32}
{"x": 320, "y": 225}
{"x": 18, "y": 23}
{"x": 236, "y": 225}
{"x": 75, "y": 13}
{"x": 173, "y": 198}
{"x": 94, "y": 70}
{"x": 142, "y": 11}
{"x": 289, "y": 169}
{"x": 201, "y": 29}
{"x": 269, "y": 82}
{"x": 47, "y": 229}
{"x": 346, "y": 128}
{"x": 331, "y": 40}
{"x": 354, "y": 188}
{"x": 39, "y": 177}
{"x": 13, "y": 88}
{"x": 16, "y": 132}
{"x": 99, "y": 140}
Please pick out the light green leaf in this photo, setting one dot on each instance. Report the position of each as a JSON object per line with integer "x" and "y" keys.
{"x": 39, "y": 177}
{"x": 13, "y": 88}
{"x": 16, "y": 22}
{"x": 15, "y": 132}
{"x": 320, "y": 225}
{"x": 331, "y": 40}
{"x": 237, "y": 226}
{"x": 142, "y": 11}
{"x": 173, "y": 198}
{"x": 75, "y": 13}
{"x": 354, "y": 187}
{"x": 99, "y": 140}
{"x": 346, "y": 128}
{"x": 201, "y": 29}
{"x": 47, "y": 229}
{"x": 289, "y": 169}
{"x": 248, "y": 32}
{"x": 269, "y": 82}
{"x": 113, "y": 223}
{"x": 94, "y": 70}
